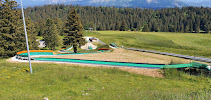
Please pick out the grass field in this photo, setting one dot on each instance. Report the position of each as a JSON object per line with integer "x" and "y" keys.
{"x": 73, "y": 82}
{"x": 89, "y": 83}
{"x": 181, "y": 43}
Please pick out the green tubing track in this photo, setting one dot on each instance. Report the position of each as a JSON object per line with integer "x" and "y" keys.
{"x": 49, "y": 54}
{"x": 156, "y": 66}
{"x": 127, "y": 64}
{"x": 36, "y": 53}
{"x": 109, "y": 63}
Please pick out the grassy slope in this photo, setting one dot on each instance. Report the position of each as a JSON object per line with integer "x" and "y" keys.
{"x": 74, "y": 82}
{"x": 182, "y": 43}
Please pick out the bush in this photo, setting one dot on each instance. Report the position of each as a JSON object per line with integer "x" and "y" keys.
{"x": 103, "y": 46}
{"x": 180, "y": 74}
{"x": 172, "y": 73}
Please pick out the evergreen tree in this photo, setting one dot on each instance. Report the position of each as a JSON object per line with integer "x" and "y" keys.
{"x": 59, "y": 25}
{"x": 40, "y": 28}
{"x": 197, "y": 25}
{"x": 106, "y": 18}
{"x": 207, "y": 28}
{"x": 33, "y": 44}
{"x": 11, "y": 36}
{"x": 187, "y": 28}
{"x": 100, "y": 28}
{"x": 117, "y": 26}
{"x": 191, "y": 27}
{"x": 50, "y": 35}
{"x": 154, "y": 27}
{"x": 146, "y": 28}
{"x": 123, "y": 26}
{"x": 197, "y": 29}
{"x": 74, "y": 31}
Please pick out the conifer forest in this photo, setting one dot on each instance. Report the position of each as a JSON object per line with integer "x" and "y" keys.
{"x": 47, "y": 19}
{"x": 185, "y": 20}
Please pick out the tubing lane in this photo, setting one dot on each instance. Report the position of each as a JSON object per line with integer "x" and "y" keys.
{"x": 136, "y": 65}
{"x": 172, "y": 54}
{"x": 22, "y": 55}
{"x": 125, "y": 64}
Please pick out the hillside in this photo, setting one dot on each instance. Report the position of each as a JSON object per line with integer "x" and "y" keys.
{"x": 186, "y": 19}
{"x": 179, "y": 43}
{"x": 72, "y": 82}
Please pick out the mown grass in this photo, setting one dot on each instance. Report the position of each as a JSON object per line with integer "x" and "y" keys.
{"x": 73, "y": 82}
{"x": 181, "y": 43}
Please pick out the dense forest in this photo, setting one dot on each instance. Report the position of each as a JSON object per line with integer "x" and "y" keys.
{"x": 186, "y": 19}
{"x": 50, "y": 21}
{"x": 12, "y": 38}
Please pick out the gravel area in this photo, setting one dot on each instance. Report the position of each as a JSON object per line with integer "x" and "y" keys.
{"x": 121, "y": 55}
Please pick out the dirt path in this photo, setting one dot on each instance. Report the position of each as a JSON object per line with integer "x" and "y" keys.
{"x": 146, "y": 72}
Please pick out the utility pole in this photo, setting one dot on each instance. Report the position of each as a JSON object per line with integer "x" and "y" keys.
{"x": 87, "y": 41}
{"x": 95, "y": 27}
{"x": 26, "y": 38}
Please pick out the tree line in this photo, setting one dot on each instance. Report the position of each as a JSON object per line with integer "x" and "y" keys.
{"x": 12, "y": 37}
{"x": 72, "y": 31}
{"x": 184, "y": 20}
{"x": 51, "y": 21}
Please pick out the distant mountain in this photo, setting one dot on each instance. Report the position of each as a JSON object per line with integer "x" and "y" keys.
{"x": 116, "y": 3}
{"x": 203, "y": 3}
{"x": 139, "y": 3}
{"x": 157, "y": 3}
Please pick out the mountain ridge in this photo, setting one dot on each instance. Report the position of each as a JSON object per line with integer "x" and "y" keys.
{"x": 106, "y": 3}
{"x": 199, "y": 4}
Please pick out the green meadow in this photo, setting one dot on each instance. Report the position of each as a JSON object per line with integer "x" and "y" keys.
{"x": 65, "y": 82}
{"x": 73, "y": 82}
{"x": 182, "y": 43}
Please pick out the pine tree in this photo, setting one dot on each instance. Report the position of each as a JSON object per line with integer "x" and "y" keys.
{"x": 59, "y": 25}
{"x": 117, "y": 26}
{"x": 11, "y": 36}
{"x": 40, "y": 28}
{"x": 50, "y": 35}
{"x": 146, "y": 28}
{"x": 187, "y": 30}
{"x": 33, "y": 44}
{"x": 74, "y": 31}
{"x": 207, "y": 28}
{"x": 191, "y": 27}
{"x": 123, "y": 26}
{"x": 197, "y": 28}
{"x": 197, "y": 25}
{"x": 100, "y": 28}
